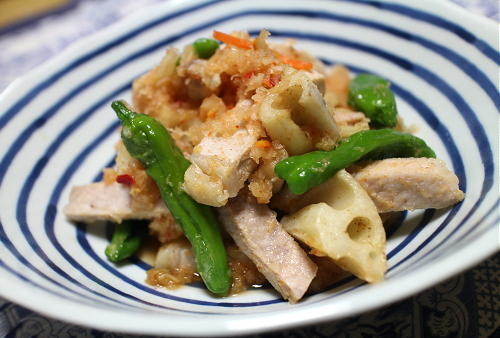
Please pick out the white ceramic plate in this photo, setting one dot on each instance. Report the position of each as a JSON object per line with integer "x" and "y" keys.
{"x": 57, "y": 130}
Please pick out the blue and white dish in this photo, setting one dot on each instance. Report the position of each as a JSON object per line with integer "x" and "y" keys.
{"x": 57, "y": 130}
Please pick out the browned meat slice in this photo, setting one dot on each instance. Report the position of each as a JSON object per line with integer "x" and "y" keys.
{"x": 277, "y": 256}
{"x": 106, "y": 202}
{"x": 397, "y": 184}
{"x": 219, "y": 167}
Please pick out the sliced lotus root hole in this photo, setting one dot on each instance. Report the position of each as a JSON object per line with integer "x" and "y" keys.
{"x": 360, "y": 229}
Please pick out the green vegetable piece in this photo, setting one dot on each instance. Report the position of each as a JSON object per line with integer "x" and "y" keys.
{"x": 205, "y": 48}
{"x": 149, "y": 142}
{"x": 371, "y": 95}
{"x": 306, "y": 171}
{"x": 125, "y": 241}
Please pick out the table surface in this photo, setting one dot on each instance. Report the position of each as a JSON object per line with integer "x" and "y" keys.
{"x": 467, "y": 305}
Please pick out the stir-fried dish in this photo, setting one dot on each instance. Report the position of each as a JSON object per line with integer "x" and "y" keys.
{"x": 243, "y": 162}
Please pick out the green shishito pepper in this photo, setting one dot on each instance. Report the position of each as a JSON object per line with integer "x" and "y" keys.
{"x": 126, "y": 240}
{"x": 150, "y": 143}
{"x": 205, "y": 48}
{"x": 371, "y": 95}
{"x": 306, "y": 171}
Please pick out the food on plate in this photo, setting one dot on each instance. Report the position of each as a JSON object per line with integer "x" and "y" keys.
{"x": 397, "y": 184}
{"x": 125, "y": 242}
{"x": 150, "y": 143}
{"x": 257, "y": 232}
{"x": 253, "y": 162}
{"x": 371, "y": 95}
{"x": 338, "y": 219}
{"x": 303, "y": 172}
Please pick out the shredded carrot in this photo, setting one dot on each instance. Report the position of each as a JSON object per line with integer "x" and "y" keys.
{"x": 248, "y": 75}
{"x": 264, "y": 144}
{"x": 268, "y": 83}
{"x": 232, "y": 40}
{"x": 295, "y": 63}
{"x": 271, "y": 80}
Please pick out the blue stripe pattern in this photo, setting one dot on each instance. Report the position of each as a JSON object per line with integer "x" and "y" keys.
{"x": 99, "y": 288}
{"x": 461, "y": 32}
{"x": 462, "y": 63}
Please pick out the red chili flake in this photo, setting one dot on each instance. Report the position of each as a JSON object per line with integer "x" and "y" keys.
{"x": 125, "y": 179}
{"x": 271, "y": 81}
{"x": 248, "y": 75}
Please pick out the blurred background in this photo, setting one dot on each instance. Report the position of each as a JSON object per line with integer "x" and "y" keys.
{"x": 33, "y": 31}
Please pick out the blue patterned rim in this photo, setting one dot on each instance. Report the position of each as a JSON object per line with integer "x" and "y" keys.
{"x": 79, "y": 290}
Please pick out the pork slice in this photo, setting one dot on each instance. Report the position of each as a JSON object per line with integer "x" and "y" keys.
{"x": 220, "y": 166}
{"x": 398, "y": 184}
{"x": 260, "y": 236}
{"x": 106, "y": 202}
